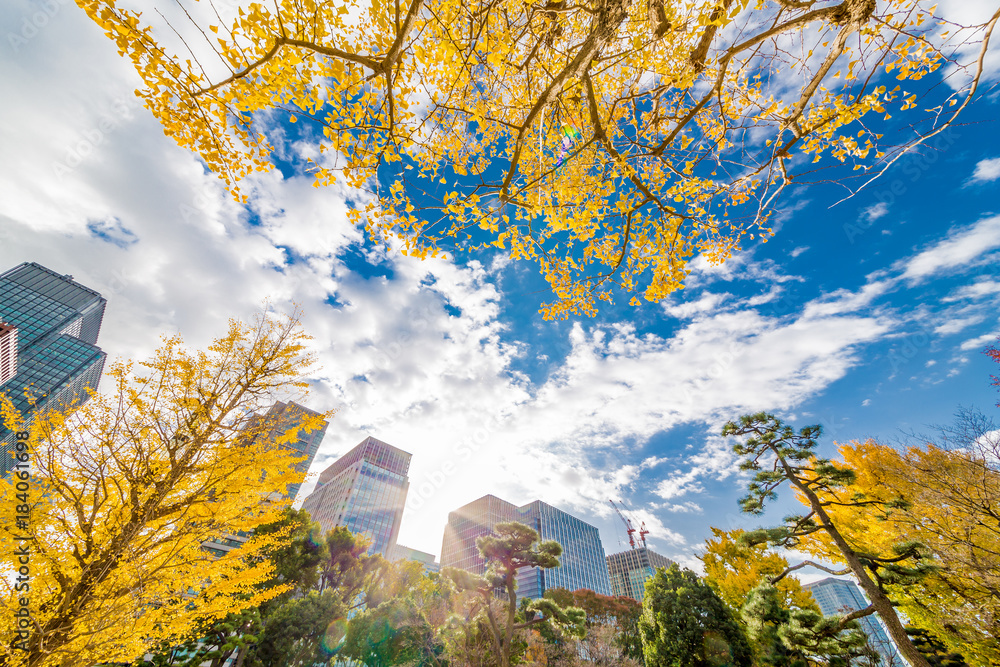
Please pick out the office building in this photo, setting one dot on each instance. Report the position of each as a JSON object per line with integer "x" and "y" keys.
{"x": 8, "y": 353}
{"x": 399, "y": 552}
{"x": 842, "y": 596}
{"x": 283, "y": 416}
{"x": 48, "y": 342}
{"x": 364, "y": 490}
{"x": 582, "y": 564}
{"x": 630, "y": 569}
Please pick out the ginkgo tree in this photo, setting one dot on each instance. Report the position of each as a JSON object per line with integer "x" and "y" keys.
{"x": 122, "y": 494}
{"x": 607, "y": 141}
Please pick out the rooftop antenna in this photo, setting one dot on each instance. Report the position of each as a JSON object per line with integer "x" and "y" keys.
{"x": 628, "y": 524}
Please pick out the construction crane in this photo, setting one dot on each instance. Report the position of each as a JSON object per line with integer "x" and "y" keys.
{"x": 628, "y": 524}
{"x": 643, "y": 533}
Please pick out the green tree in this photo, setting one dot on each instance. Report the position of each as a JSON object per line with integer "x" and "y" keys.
{"x": 294, "y": 556}
{"x": 314, "y": 626}
{"x": 405, "y": 610}
{"x": 302, "y": 631}
{"x": 394, "y": 633}
{"x": 777, "y": 454}
{"x": 686, "y": 624}
{"x": 784, "y": 636}
{"x": 512, "y": 547}
{"x": 934, "y": 650}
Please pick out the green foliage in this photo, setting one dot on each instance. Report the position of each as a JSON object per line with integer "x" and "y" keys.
{"x": 685, "y": 623}
{"x": 296, "y": 561}
{"x": 295, "y": 558}
{"x": 512, "y": 547}
{"x": 301, "y": 631}
{"x": 777, "y": 454}
{"x": 312, "y": 627}
{"x": 348, "y": 569}
{"x": 797, "y": 637}
{"x": 394, "y": 633}
{"x": 936, "y": 653}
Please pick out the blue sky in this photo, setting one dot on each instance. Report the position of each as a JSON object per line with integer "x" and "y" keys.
{"x": 868, "y": 317}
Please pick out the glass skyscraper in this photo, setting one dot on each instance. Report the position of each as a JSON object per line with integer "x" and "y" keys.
{"x": 630, "y": 569}
{"x": 841, "y": 596}
{"x": 284, "y": 416}
{"x": 48, "y": 342}
{"x": 582, "y": 564}
{"x": 364, "y": 490}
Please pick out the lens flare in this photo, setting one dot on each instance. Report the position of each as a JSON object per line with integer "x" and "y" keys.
{"x": 334, "y": 636}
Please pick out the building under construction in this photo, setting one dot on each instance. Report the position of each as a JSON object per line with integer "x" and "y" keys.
{"x": 630, "y": 569}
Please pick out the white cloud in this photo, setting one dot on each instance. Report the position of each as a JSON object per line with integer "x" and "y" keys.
{"x": 680, "y": 484}
{"x": 986, "y": 171}
{"x": 798, "y": 251}
{"x": 139, "y": 220}
{"x": 976, "y": 290}
{"x": 875, "y": 211}
{"x": 845, "y": 301}
{"x": 957, "y": 324}
{"x": 866, "y": 402}
{"x": 707, "y": 302}
{"x": 684, "y": 508}
{"x": 959, "y": 249}
{"x": 979, "y": 342}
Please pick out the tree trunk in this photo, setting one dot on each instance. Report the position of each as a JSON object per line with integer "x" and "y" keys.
{"x": 883, "y": 607}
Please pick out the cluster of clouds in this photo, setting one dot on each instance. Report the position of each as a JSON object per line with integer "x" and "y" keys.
{"x": 418, "y": 353}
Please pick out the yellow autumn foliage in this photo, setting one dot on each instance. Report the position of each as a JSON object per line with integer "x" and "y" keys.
{"x": 606, "y": 141}
{"x": 124, "y": 491}
{"x": 953, "y": 508}
{"x": 735, "y": 570}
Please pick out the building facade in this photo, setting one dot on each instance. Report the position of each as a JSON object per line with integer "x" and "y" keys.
{"x": 48, "y": 342}
{"x": 364, "y": 490}
{"x": 8, "y": 353}
{"x": 630, "y": 569}
{"x": 399, "y": 552}
{"x": 283, "y": 416}
{"x": 581, "y": 565}
{"x": 842, "y": 596}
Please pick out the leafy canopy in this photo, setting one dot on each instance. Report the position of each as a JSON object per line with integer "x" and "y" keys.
{"x": 777, "y": 455}
{"x": 512, "y": 547}
{"x": 606, "y": 141}
{"x": 126, "y": 489}
{"x": 685, "y": 623}
{"x": 951, "y": 507}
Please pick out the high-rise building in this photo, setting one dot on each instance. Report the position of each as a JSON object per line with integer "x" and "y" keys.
{"x": 283, "y": 416}
{"x": 48, "y": 342}
{"x": 8, "y": 353}
{"x": 364, "y": 490}
{"x": 630, "y": 569}
{"x": 399, "y": 552}
{"x": 582, "y": 564}
{"x": 842, "y": 596}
